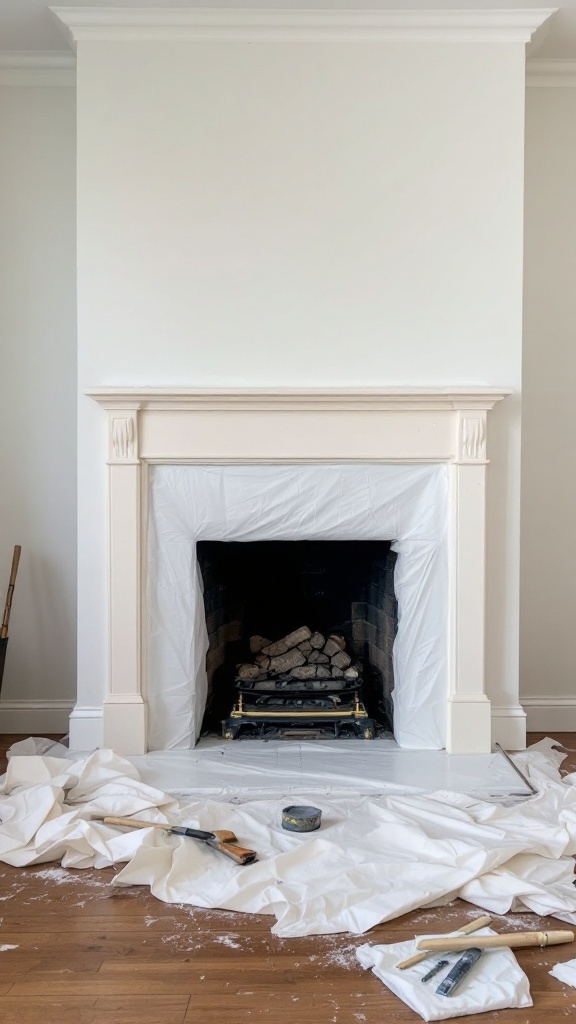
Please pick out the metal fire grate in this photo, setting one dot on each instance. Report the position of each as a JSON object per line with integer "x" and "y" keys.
{"x": 304, "y": 684}
{"x": 290, "y": 708}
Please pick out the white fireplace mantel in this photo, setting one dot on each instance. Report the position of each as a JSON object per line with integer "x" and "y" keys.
{"x": 204, "y": 426}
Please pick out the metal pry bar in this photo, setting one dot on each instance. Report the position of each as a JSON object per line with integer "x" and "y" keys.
{"x": 516, "y": 769}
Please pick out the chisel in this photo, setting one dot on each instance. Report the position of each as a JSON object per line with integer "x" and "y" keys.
{"x": 220, "y": 839}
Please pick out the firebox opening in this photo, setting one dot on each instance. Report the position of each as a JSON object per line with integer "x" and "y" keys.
{"x": 270, "y": 588}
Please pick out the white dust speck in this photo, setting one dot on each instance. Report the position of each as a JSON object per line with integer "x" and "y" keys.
{"x": 7, "y": 946}
{"x": 360, "y": 1016}
{"x": 150, "y": 920}
{"x": 59, "y": 875}
{"x": 228, "y": 940}
{"x": 345, "y": 957}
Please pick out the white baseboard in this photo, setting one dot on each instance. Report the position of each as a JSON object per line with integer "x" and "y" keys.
{"x": 86, "y": 731}
{"x": 509, "y": 726}
{"x": 35, "y": 717}
{"x": 550, "y": 714}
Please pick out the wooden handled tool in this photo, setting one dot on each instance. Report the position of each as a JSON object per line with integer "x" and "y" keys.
{"x": 467, "y": 929}
{"x": 8, "y": 605}
{"x": 220, "y": 839}
{"x": 511, "y": 939}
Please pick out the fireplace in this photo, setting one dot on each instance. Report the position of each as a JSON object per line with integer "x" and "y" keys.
{"x": 406, "y": 466}
{"x": 257, "y": 595}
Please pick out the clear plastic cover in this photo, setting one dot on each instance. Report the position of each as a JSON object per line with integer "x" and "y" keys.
{"x": 407, "y": 504}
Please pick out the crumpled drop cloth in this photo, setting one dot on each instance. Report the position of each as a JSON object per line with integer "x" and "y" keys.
{"x": 495, "y": 982}
{"x": 565, "y": 972}
{"x": 374, "y": 858}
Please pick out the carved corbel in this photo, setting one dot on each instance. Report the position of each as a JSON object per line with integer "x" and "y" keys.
{"x": 123, "y": 437}
{"x": 472, "y": 437}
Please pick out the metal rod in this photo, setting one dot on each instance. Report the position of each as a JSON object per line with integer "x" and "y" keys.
{"x": 516, "y": 769}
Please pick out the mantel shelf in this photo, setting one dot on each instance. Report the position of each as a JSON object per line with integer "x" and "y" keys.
{"x": 300, "y": 399}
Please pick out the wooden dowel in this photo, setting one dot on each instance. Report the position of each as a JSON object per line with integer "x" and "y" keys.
{"x": 8, "y": 605}
{"x": 134, "y": 823}
{"x": 467, "y": 929}
{"x": 511, "y": 939}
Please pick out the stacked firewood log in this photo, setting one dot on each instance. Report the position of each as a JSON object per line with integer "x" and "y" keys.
{"x": 301, "y": 654}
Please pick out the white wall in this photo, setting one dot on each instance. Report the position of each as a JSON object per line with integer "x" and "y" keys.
{"x": 38, "y": 402}
{"x": 548, "y": 630}
{"x": 37, "y": 347}
{"x": 301, "y": 214}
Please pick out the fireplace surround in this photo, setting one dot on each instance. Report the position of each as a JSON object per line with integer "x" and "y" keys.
{"x": 151, "y": 427}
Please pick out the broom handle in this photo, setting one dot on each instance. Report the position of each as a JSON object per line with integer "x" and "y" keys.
{"x": 510, "y": 939}
{"x": 8, "y": 605}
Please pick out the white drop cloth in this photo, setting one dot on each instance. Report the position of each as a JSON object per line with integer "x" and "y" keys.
{"x": 565, "y": 972}
{"x": 495, "y": 982}
{"x": 374, "y": 858}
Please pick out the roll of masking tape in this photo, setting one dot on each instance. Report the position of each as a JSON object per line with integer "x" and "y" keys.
{"x": 301, "y": 819}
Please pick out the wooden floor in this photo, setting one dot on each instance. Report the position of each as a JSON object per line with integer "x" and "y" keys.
{"x": 85, "y": 954}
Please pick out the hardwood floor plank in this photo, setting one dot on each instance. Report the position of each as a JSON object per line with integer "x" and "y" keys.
{"x": 137, "y": 1010}
{"x": 91, "y": 985}
{"x": 60, "y": 1013}
{"x": 82, "y": 1010}
{"x": 49, "y": 1013}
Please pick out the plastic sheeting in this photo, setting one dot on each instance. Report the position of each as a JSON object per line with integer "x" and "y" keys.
{"x": 252, "y": 770}
{"x": 373, "y": 859}
{"x": 404, "y": 503}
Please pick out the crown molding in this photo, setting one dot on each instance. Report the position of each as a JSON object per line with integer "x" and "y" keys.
{"x": 42, "y": 68}
{"x": 250, "y": 25}
{"x": 551, "y": 73}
